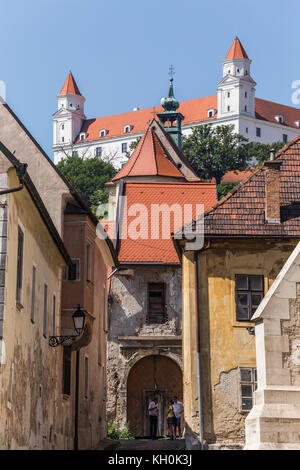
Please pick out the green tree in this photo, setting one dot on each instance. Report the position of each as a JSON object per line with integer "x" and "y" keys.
{"x": 261, "y": 152}
{"x": 89, "y": 177}
{"x": 213, "y": 152}
{"x": 132, "y": 146}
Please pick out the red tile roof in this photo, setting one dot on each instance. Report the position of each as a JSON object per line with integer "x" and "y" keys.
{"x": 160, "y": 250}
{"x": 70, "y": 86}
{"x": 236, "y": 51}
{"x": 242, "y": 212}
{"x": 237, "y": 176}
{"x": 194, "y": 111}
{"x": 149, "y": 159}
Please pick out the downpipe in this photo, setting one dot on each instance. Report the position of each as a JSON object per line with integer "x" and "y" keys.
{"x": 197, "y": 321}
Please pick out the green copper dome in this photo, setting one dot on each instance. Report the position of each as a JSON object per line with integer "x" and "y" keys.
{"x": 170, "y": 103}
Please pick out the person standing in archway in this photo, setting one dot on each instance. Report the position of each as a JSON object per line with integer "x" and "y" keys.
{"x": 178, "y": 408}
{"x": 153, "y": 416}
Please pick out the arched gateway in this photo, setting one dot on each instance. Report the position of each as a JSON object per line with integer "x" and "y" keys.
{"x": 152, "y": 375}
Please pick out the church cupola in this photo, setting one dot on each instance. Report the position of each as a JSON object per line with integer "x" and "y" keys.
{"x": 170, "y": 118}
{"x": 236, "y": 90}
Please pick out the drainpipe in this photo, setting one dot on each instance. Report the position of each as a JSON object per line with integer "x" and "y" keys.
{"x": 21, "y": 170}
{"x": 200, "y": 410}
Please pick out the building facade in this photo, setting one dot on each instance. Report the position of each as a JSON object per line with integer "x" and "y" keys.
{"x": 235, "y": 103}
{"x": 77, "y": 369}
{"x": 249, "y": 235}
{"x": 144, "y": 343}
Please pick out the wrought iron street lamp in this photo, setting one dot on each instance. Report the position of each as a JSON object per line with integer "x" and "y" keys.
{"x": 78, "y": 321}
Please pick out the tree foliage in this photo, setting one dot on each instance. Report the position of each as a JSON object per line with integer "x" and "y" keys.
{"x": 213, "y": 152}
{"x": 89, "y": 177}
{"x": 259, "y": 153}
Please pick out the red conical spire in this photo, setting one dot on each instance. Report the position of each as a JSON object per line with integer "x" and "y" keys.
{"x": 236, "y": 51}
{"x": 70, "y": 86}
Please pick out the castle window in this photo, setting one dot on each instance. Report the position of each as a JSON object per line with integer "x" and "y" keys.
{"x": 258, "y": 132}
{"x": 228, "y": 108}
{"x": 124, "y": 147}
{"x": 249, "y": 292}
{"x": 238, "y": 70}
{"x": 246, "y": 108}
{"x": 157, "y": 313}
{"x": 53, "y": 314}
{"x": 71, "y": 106}
{"x": 32, "y": 310}
{"x": 247, "y": 130}
{"x": 246, "y": 94}
{"x": 62, "y": 139}
{"x": 72, "y": 273}
{"x": 98, "y": 151}
{"x": 228, "y": 94}
{"x": 45, "y": 316}
{"x": 211, "y": 113}
{"x": 127, "y": 129}
{"x": 82, "y": 136}
{"x": 75, "y": 153}
{"x": 279, "y": 118}
{"x": 103, "y": 132}
{"x": 285, "y": 138}
{"x": 89, "y": 262}
{"x": 248, "y": 385}
{"x": 297, "y": 123}
{"x": 62, "y": 127}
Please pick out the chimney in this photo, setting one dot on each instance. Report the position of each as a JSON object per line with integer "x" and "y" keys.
{"x": 272, "y": 189}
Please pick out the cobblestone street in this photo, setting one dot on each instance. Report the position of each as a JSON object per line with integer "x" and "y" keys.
{"x": 144, "y": 444}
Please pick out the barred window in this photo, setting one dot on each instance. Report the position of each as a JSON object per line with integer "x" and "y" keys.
{"x": 72, "y": 273}
{"x": 20, "y": 264}
{"x": 248, "y": 384}
{"x": 249, "y": 292}
{"x": 157, "y": 313}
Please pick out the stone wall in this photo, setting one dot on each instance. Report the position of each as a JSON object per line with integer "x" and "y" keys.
{"x": 127, "y": 318}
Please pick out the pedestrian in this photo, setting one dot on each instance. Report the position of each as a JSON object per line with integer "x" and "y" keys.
{"x": 153, "y": 416}
{"x": 170, "y": 419}
{"x": 178, "y": 408}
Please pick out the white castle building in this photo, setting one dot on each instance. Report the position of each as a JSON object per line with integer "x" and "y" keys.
{"x": 235, "y": 103}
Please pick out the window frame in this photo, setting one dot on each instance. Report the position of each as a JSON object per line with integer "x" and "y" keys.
{"x": 97, "y": 153}
{"x": 124, "y": 146}
{"x": 45, "y": 309}
{"x": 246, "y": 383}
{"x": 164, "y": 309}
{"x": 258, "y": 132}
{"x": 249, "y": 292}
{"x": 20, "y": 264}
{"x": 33, "y": 292}
{"x": 89, "y": 262}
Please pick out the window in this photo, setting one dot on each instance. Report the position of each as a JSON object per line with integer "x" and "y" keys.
{"x": 103, "y": 132}
{"x": 248, "y": 383}
{"x": 62, "y": 139}
{"x": 98, "y": 151}
{"x": 88, "y": 263}
{"x": 62, "y": 126}
{"x": 82, "y": 136}
{"x": 228, "y": 108}
{"x": 249, "y": 292}
{"x": 246, "y": 94}
{"x": 258, "y": 132}
{"x": 247, "y": 130}
{"x": 32, "y": 311}
{"x": 127, "y": 129}
{"x": 53, "y": 315}
{"x": 285, "y": 138}
{"x": 86, "y": 377}
{"x": 45, "y": 310}
{"x": 210, "y": 114}
{"x": 156, "y": 303}
{"x": 238, "y": 70}
{"x": 20, "y": 264}
{"x": 72, "y": 273}
{"x": 71, "y": 106}
{"x": 66, "y": 376}
{"x": 228, "y": 95}
{"x": 124, "y": 147}
{"x": 246, "y": 108}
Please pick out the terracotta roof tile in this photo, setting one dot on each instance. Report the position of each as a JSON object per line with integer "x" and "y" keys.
{"x": 160, "y": 250}
{"x": 236, "y": 51}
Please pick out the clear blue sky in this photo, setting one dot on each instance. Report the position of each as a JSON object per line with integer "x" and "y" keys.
{"x": 120, "y": 50}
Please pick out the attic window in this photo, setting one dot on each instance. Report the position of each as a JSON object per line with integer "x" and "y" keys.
{"x": 211, "y": 113}
{"x": 279, "y": 118}
{"x": 103, "y": 132}
{"x": 297, "y": 123}
{"x": 127, "y": 128}
{"x": 82, "y": 136}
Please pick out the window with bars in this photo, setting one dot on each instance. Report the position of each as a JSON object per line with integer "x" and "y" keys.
{"x": 72, "y": 273}
{"x": 20, "y": 264}
{"x": 66, "y": 376}
{"x": 248, "y": 384}
{"x": 157, "y": 313}
{"x": 249, "y": 292}
{"x": 54, "y": 315}
{"x": 45, "y": 319}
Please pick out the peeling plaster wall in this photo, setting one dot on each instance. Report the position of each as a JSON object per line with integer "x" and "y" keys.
{"x": 127, "y": 317}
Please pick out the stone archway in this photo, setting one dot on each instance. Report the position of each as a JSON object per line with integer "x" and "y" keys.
{"x": 154, "y": 374}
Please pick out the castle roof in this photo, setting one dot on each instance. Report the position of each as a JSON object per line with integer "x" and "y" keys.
{"x": 236, "y": 51}
{"x": 70, "y": 86}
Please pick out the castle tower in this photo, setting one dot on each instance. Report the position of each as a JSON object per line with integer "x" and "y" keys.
{"x": 236, "y": 90}
{"x": 68, "y": 119}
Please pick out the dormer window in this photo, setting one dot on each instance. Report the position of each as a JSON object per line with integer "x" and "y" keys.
{"x": 211, "y": 113}
{"x": 279, "y": 118}
{"x": 127, "y": 128}
{"x": 103, "y": 133}
{"x": 297, "y": 123}
{"x": 82, "y": 136}
{"x": 71, "y": 106}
